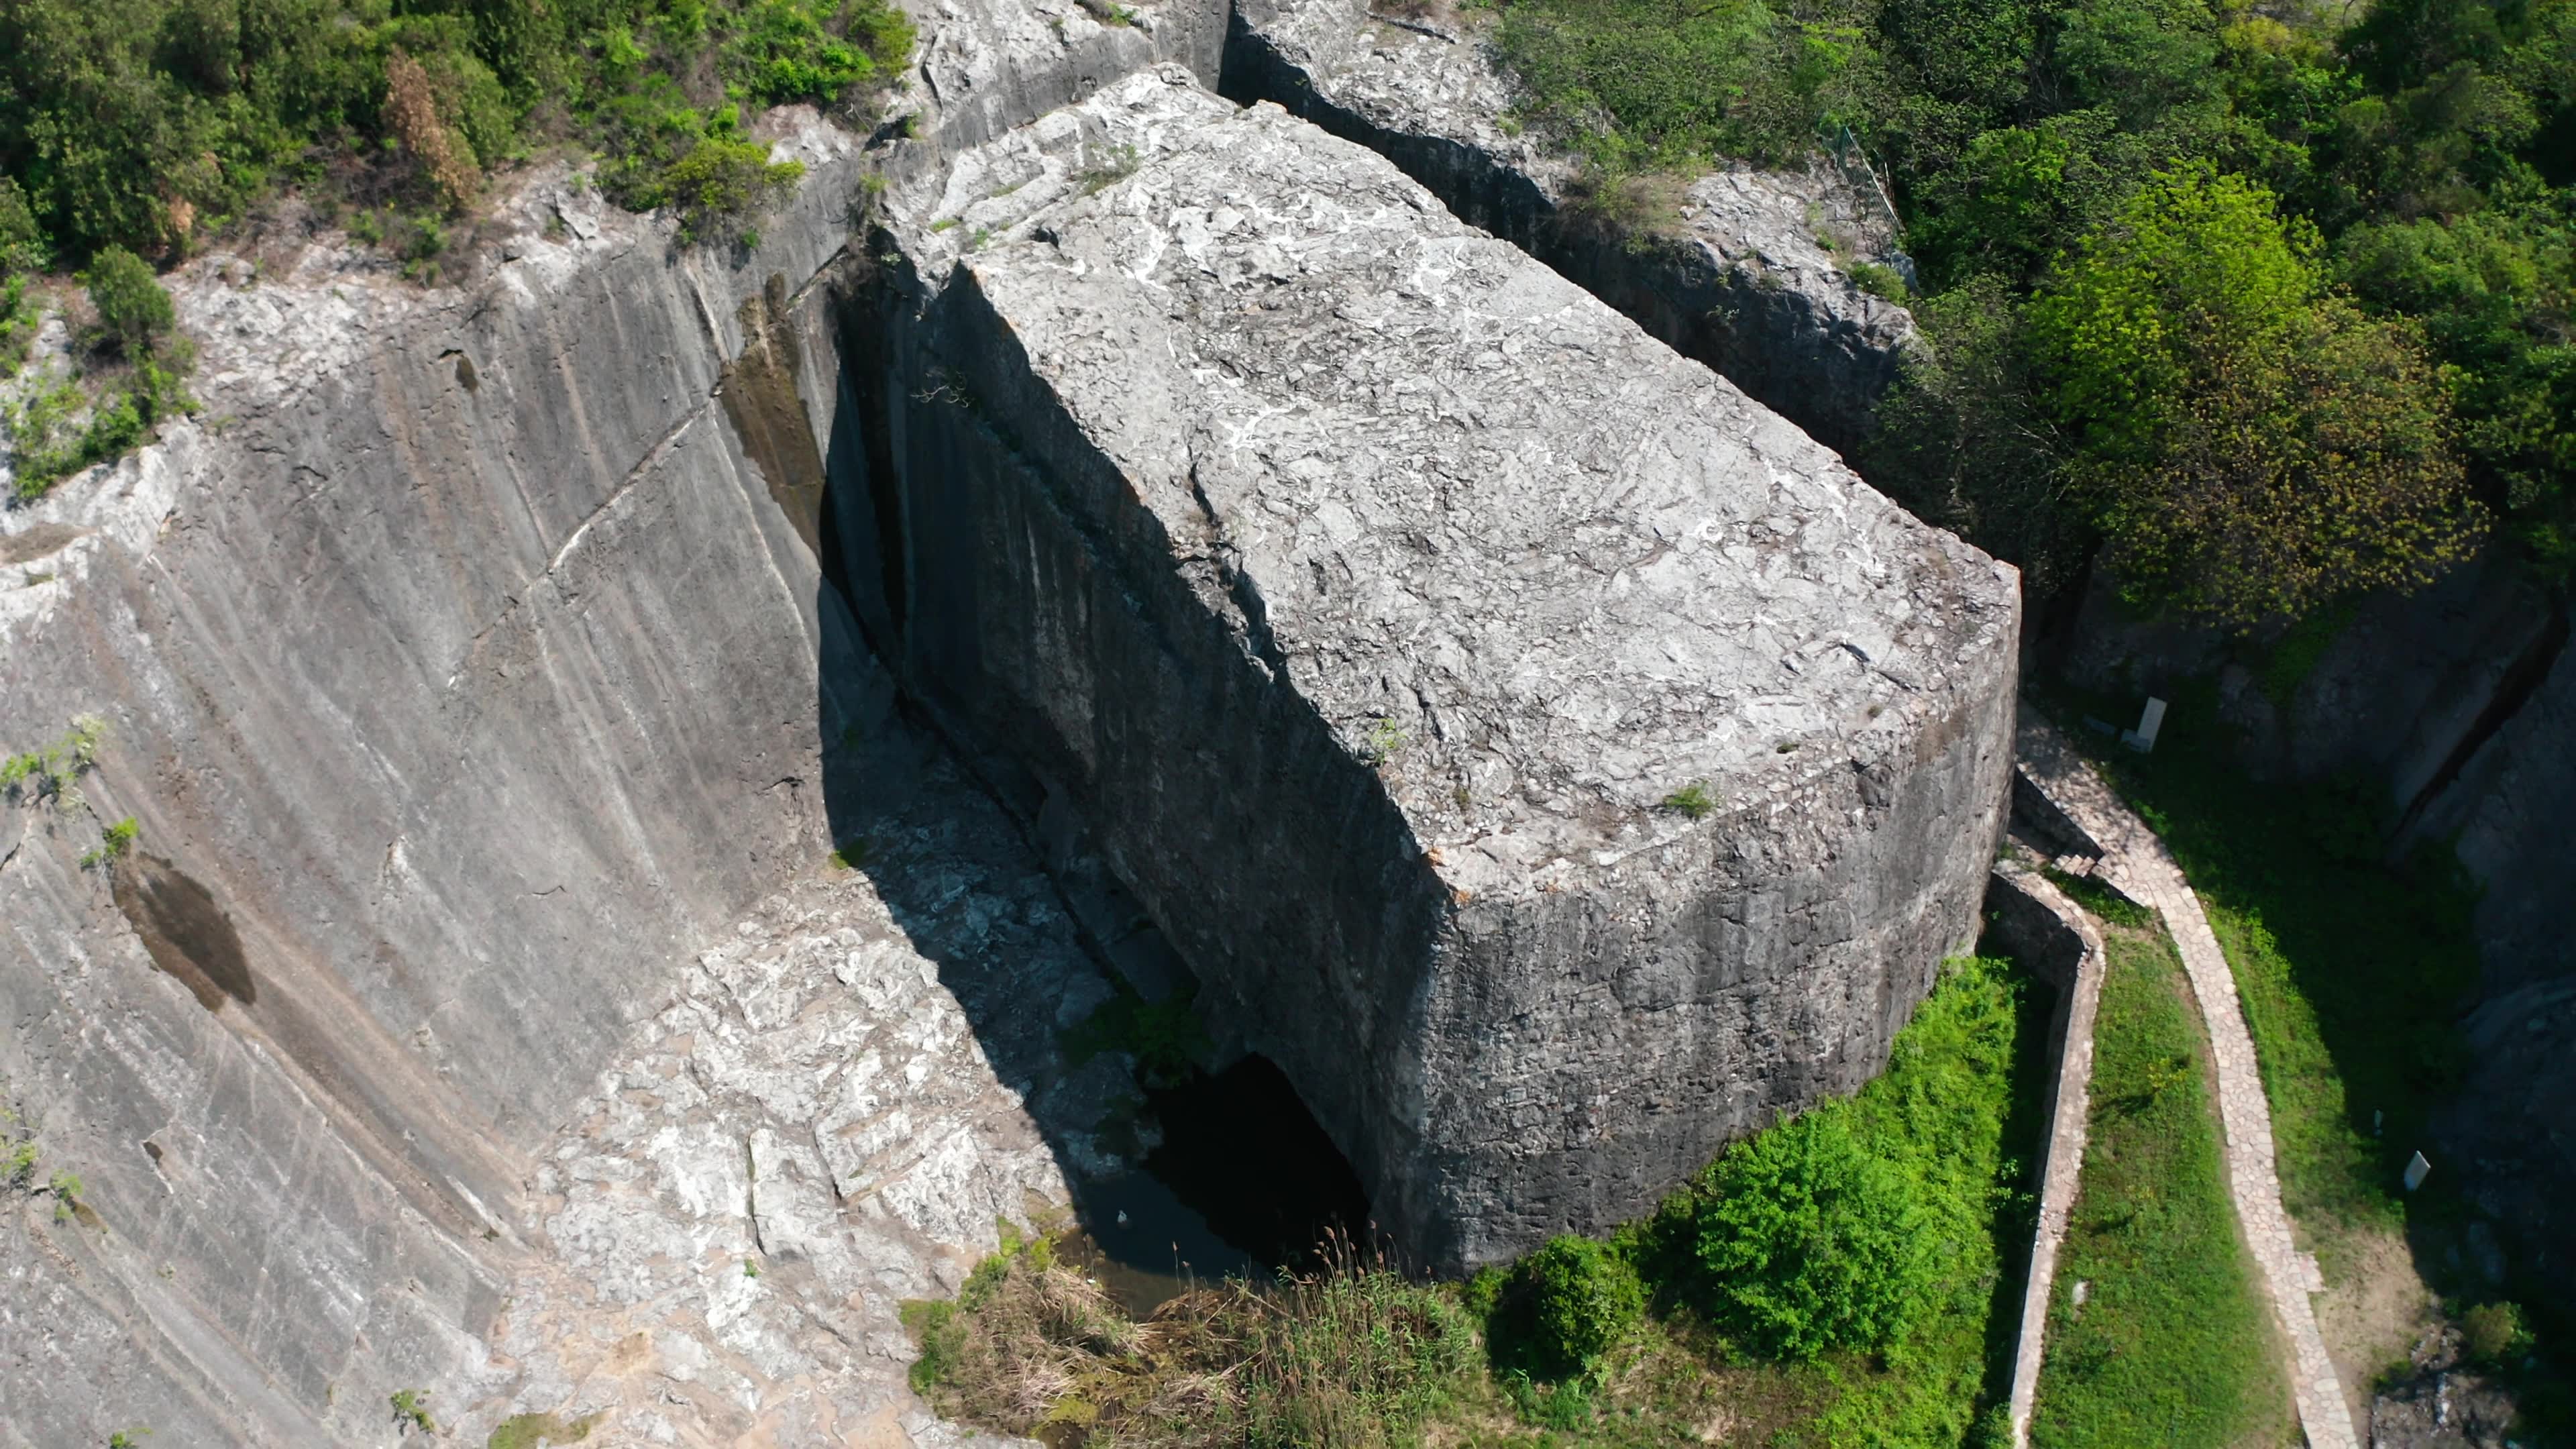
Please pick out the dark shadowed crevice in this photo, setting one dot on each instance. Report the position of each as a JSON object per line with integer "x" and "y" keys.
{"x": 2521, "y": 680}
{"x": 1240, "y": 1149}
{"x": 768, "y": 413}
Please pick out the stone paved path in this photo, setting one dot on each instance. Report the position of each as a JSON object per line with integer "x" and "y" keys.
{"x": 2136, "y": 861}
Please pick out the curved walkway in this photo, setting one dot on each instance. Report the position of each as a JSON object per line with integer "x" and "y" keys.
{"x": 2136, "y": 862}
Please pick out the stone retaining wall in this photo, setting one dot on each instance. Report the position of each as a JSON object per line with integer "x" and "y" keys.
{"x": 2052, "y": 936}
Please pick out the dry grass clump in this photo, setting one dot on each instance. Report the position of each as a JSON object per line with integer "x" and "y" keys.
{"x": 1354, "y": 1357}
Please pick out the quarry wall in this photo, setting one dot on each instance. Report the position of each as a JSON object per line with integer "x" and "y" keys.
{"x": 459, "y": 665}
{"x": 475, "y": 660}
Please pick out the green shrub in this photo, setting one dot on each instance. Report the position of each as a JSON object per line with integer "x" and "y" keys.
{"x": 1879, "y": 281}
{"x": 411, "y": 1411}
{"x": 1165, "y": 1037}
{"x": 134, "y": 313}
{"x": 1690, "y": 801}
{"x": 1564, "y": 1307}
{"x": 2493, "y": 1332}
{"x": 113, "y": 843}
{"x": 788, "y": 50}
{"x": 22, "y": 241}
{"x": 1808, "y": 1242}
{"x": 716, "y": 179}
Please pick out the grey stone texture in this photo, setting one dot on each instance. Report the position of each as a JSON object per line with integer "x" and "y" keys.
{"x": 465, "y": 678}
{"x": 1368, "y": 588}
{"x": 476, "y": 671}
{"x": 1731, "y": 271}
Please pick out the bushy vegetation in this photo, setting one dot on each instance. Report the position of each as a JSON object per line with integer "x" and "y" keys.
{"x": 1354, "y": 1355}
{"x": 126, "y": 379}
{"x": 1640, "y": 1340}
{"x": 1807, "y": 1241}
{"x": 2173, "y": 1343}
{"x": 143, "y": 124}
{"x": 2270, "y": 306}
{"x": 1563, "y": 1308}
{"x": 134, "y": 129}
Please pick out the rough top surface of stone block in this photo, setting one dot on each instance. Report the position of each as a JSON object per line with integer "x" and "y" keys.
{"x": 1546, "y": 570}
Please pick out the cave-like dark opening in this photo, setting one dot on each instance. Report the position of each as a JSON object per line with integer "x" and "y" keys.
{"x": 1245, "y": 1183}
{"x": 1240, "y": 1148}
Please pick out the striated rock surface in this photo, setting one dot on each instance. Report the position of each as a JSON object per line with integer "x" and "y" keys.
{"x": 467, "y": 668}
{"x": 1734, "y": 271}
{"x": 1370, "y": 590}
{"x": 480, "y": 673}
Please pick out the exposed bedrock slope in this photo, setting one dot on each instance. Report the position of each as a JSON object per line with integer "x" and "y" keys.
{"x": 1370, "y": 590}
{"x": 1737, "y": 279}
{"x": 465, "y": 672}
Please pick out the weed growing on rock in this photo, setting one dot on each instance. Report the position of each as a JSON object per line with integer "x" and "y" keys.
{"x": 411, "y": 1411}
{"x": 1120, "y": 165}
{"x": 66, "y": 1188}
{"x": 1383, "y": 742}
{"x": 113, "y": 843}
{"x": 1691, "y": 801}
{"x": 52, "y": 774}
{"x": 527, "y": 1431}
{"x": 1165, "y": 1037}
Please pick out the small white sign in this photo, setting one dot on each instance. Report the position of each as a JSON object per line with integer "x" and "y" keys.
{"x": 2143, "y": 738}
{"x": 2416, "y": 1171}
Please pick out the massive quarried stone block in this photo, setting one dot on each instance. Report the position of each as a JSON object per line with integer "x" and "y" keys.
{"x": 1558, "y": 763}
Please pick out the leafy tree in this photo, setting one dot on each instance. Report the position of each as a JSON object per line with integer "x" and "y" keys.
{"x": 1965, "y": 441}
{"x": 2252, "y": 446}
{"x": 22, "y": 242}
{"x": 2494, "y": 290}
{"x": 1807, "y": 1242}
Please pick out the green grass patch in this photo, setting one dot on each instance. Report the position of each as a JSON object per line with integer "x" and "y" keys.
{"x": 2173, "y": 1344}
{"x": 528, "y": 1431}
{"x": 1165, "y": 1037}
{"x": 2099, "y": 898}
{"x": 1360, "y": 1355}
{"x": 2352, "y": 972}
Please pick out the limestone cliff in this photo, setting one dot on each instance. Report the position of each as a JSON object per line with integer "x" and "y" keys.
{"x": 465, "y": 676}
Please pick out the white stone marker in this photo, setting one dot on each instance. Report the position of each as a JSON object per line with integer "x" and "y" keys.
{"x": 2143, "y": 738}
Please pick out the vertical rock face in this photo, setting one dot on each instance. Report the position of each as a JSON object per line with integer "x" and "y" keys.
{"x": 1557, "y": 762}
{"x": 1747, "y": 271}
{"x": 466, "y": 668}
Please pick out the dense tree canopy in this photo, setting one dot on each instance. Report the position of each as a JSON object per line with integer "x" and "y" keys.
{"x": 141, "y": 123}
{"x": 2254, "y": 302}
